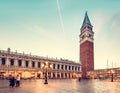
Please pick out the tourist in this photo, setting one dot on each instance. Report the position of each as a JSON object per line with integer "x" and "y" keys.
{"x": 12, "y": 81}
{"x": 18, "y": 81}
{"x": 79, "y": 78}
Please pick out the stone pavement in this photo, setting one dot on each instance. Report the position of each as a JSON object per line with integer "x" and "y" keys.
{"x": 61, "y": 86}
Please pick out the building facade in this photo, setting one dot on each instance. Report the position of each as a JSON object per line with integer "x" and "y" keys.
{"x": 86, "y": 46}
{"x": 105, "y": 74}
{"x": 30, "y": 66}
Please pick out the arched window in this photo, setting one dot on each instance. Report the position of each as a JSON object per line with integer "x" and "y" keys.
{"x": 65, "y": 67}
{"x": 62, "y": 66}
{"x": 3, "y": 61}
{"x": 58, "y": 66}
{"x": 53, "y": 66}
{"x": 11, "y": 62}
{"x": 19, "y": 63}
{"x": 61, "y": 75}
{"x": 33, "y": 64}
{"x": 26, "y": 63}
{"x": 76, "y": 68}
{"x": 39, "y": 64}
{"x": 69, "y": 67}
{"x": 72, "y": 67}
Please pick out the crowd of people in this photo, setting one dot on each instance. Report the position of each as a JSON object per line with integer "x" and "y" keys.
{"x": 14, "y": 81}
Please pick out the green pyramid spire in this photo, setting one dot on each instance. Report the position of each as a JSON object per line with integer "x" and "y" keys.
{"x": 86, "y": 20}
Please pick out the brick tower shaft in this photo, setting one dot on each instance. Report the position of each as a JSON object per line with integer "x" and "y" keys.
{"x": 86, "y": 47}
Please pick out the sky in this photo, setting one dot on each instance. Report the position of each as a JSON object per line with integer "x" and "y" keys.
{"x": 51, "y": 28}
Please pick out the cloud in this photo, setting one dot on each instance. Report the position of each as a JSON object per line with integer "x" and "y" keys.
{"x": 107, "y": 31}
{"x": 114, "y": 24}
{"x": 100, "y": 20}
{"x": 38, "y": 29}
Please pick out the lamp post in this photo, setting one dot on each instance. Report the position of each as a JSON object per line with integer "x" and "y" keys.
{"x": 112, "y": 76}
{"x": 46, "y": 66}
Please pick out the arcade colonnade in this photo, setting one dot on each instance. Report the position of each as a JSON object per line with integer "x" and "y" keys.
{"x": 30, "y": 66}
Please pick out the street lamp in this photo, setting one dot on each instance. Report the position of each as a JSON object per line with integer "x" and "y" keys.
{"x": 46, "y": 66}
{"x": 112, "y": 76}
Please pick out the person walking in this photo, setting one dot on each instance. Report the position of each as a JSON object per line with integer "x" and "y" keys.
{"x": 12, "y": 81}
{"x": 18, "y": 81}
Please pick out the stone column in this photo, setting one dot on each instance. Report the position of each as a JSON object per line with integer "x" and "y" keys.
{"x": 55, "y": 75}
{"x": 16, "y": 62}
{"x": 30, "y": 63}
{"x": 7, "y": 61}
{"x": 8, "y": 65}
{"x": 59, "y": 66}
{"x": 23, "y": 63}
{"x": 67, "y": 75}
{"x": 0, "y": 61}
{"x": 63, "y": 75}
{"x": 51, "y": 75}
{"x": 55, "y": 66}
{"x": 70, "y": 75}
{"x": 36, "y": 63}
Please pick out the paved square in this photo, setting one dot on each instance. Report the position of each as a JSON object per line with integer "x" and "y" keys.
{"x": 61, "y": 86}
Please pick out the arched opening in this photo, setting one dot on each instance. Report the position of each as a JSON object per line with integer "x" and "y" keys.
{"x": 58, "y": 75}
{"x": 53, "y": 75}
{"x": 62, "y": 75}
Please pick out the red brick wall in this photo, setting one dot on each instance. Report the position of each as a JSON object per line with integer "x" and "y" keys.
{"x": 87, "y": 57}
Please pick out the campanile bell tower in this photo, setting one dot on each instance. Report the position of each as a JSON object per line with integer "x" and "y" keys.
{"x": 86, "y": 46}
